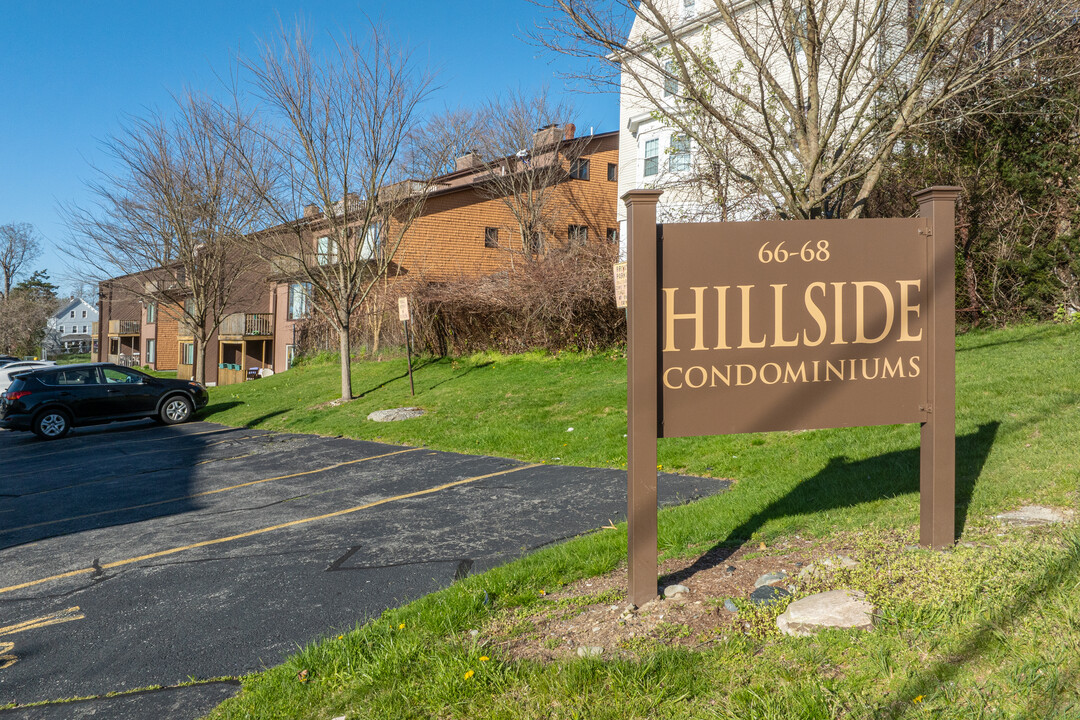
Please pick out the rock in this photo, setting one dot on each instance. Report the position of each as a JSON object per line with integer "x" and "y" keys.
{"x": 395, "y": 414}
{"x": 675, "y": 590}
{"x": 767, "y": 594}
{"x": 827, "y": 565}
{"x": 730, "y": 606}
{"x": 1031, "y": 515}
{"x": 772, "y": 578}
{"x": 835, "y": 609}
{"x": 730, "y": 569}
{"x": 593, "y": 651}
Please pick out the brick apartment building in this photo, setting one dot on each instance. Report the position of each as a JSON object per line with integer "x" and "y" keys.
{"x": 463, "y": 230}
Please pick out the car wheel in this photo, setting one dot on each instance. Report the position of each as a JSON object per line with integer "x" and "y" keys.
{"x": 176, "y": 409}
{"x": 52, "y": 424}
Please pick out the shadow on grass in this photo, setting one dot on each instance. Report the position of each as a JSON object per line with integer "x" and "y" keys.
{"x": 254, "y": 422}
{"x": 417, "y": 365}
{"x": 843, "y": 483}
{"x": 985, "y": 636}
{"x": 462, "y": 374}
{"x": 1034, "y": 335}
{"x": 217, "y": 407}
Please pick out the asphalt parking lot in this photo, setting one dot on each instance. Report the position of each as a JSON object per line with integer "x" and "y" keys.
{"x": 138, "y": 555}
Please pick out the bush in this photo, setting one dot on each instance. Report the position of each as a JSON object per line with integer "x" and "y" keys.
{"x": 566, "y": 301}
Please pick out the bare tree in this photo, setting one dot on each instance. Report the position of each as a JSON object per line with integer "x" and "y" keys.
{"x": 343, "y": 195}
{"x": 171, "y": 218}
{"x": 803, "y": 102}
{"x": 19, "y": 246}
{"x": 526, "y": 148}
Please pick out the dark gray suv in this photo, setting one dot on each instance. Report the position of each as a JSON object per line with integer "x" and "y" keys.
{"x": 50, "y": 401}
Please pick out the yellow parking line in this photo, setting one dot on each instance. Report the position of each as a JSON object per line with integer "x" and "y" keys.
{"x": 206, "y": 492}
{"x": 260, "y": 531}
{"x": 72, "y": 613}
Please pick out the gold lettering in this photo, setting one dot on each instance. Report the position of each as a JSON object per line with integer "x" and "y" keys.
{"x": 838, "y": 314}
{"x": 860, "y": 312}
{"x": 815, "y": 312}
{"x": 877, "y": 366}
{"x": 778, "y": 319}
{"x": 721, "y": 320}
{"x": 667, "y": 381}
{"x": 775, "y": 380}
{"x": 913, "y": 366}
{"x": 725, "y": 378}
{"x": 831, "y": 369}
{"x": 891, "y": 371}
{"x": 799, "y": 376}
{"x": 906, "y": 308}
{"x": 704, "y": 377}
{"x": 746, "y": 341}
{"x": 698, "y": 316}
{"x": 739, "y": 375}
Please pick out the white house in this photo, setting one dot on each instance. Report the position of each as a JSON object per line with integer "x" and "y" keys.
{"x": 70, "y": 330}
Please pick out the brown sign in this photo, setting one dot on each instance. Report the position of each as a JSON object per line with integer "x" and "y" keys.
{"x": 791, "y": 325}
{"x": 754, "y": 327}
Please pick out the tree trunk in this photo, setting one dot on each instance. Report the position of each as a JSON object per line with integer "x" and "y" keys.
{"x": 200, "y": 359}
{"x": 346, "y": 360}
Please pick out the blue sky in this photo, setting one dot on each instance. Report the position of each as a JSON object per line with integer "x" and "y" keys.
{"x": 70, "y": 70}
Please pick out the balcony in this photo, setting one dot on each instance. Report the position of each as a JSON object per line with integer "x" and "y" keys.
{"x": 240, "y": 326}
{"x": 124, "y": 327}
{"x": 184, "y": 329}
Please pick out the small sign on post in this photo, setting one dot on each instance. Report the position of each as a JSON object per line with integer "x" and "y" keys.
{"x": 403, "y": 315}
{"x": 619, "y": 271}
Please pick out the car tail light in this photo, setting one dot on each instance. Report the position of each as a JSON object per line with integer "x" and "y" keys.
{"x": 17, "y": 394}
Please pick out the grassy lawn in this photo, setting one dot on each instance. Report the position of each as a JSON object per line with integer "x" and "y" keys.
{"x": 990, "y": 629}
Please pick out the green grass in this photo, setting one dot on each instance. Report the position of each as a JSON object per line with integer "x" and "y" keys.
{"x": 990, "y": 630}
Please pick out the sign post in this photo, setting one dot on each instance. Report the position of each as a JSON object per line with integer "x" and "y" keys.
{"x": 789, "y": 325}
{"x": 403, "y": 315}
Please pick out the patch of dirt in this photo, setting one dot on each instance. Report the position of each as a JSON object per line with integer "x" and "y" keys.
{"x": 594, "y": 613}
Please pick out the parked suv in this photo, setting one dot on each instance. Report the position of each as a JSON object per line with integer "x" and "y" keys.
{"x": 50, "y": 401}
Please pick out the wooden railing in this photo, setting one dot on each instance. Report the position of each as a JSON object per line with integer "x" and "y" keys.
{"x": 125, "y": 359}
{"x": 125, "y": 327}
{"x": 230, "y": 376}
{"x": 241, "y": 325}
{"x": 185, "y": 372}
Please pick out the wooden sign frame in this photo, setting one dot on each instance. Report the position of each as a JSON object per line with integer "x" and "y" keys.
{"x": 739, "y": 272}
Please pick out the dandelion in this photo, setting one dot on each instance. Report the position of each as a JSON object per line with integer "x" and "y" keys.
{"x": 340, "y": 637}
{"x": 484, "y": 658}
{"x": 543, "y": 592}
{"x": 401, "y": 626}
{"x": 918, "y": 699}
{"x": 469, "y": 674}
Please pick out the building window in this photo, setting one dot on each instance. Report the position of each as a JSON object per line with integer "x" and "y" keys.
{"x": 187, "y": 353}
{"x": 689, "y": 7}
{"x": 299, "y": 301}
{"x": 151, "y": 352}
{"x": 151, "y": 313}
{"x": 533, "y": 246}
{"x": 84, "y": 313}
{"x": 83, "y": 329}
{"x": 613, "y": 235}
{"x": 326, "y": 251}
{"x": 679, "y": 153}
{"x": 671, "y": 83}
{"x": 613, "y": 172}
{"x": 290, "y": 355}
{"x": 652, "y": 157}
{"x": 491, "y": 237}
{"x": 579, "y": 169}
{"x": 371, "y": 248}
{"x": 577, "y": 234}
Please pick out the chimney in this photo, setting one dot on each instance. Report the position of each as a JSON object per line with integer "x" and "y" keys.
{"x": 311, "y": 210}
{"x": 547, "y": 135}
{"x": 569, "y": 131}
{"x": 468, "y": 161}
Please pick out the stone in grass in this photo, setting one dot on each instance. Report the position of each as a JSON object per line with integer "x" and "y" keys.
{"x": 395, "y": 414}
{"x": 592, "y": 651}
{"x": 835, "y": 609}
{"x": 768, "y": 594}
{"x": 1031, "y": 515}
{"x": 772, "y": 578}
{"x": 675, "y": 590}
{"x": 730, "y": 606}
